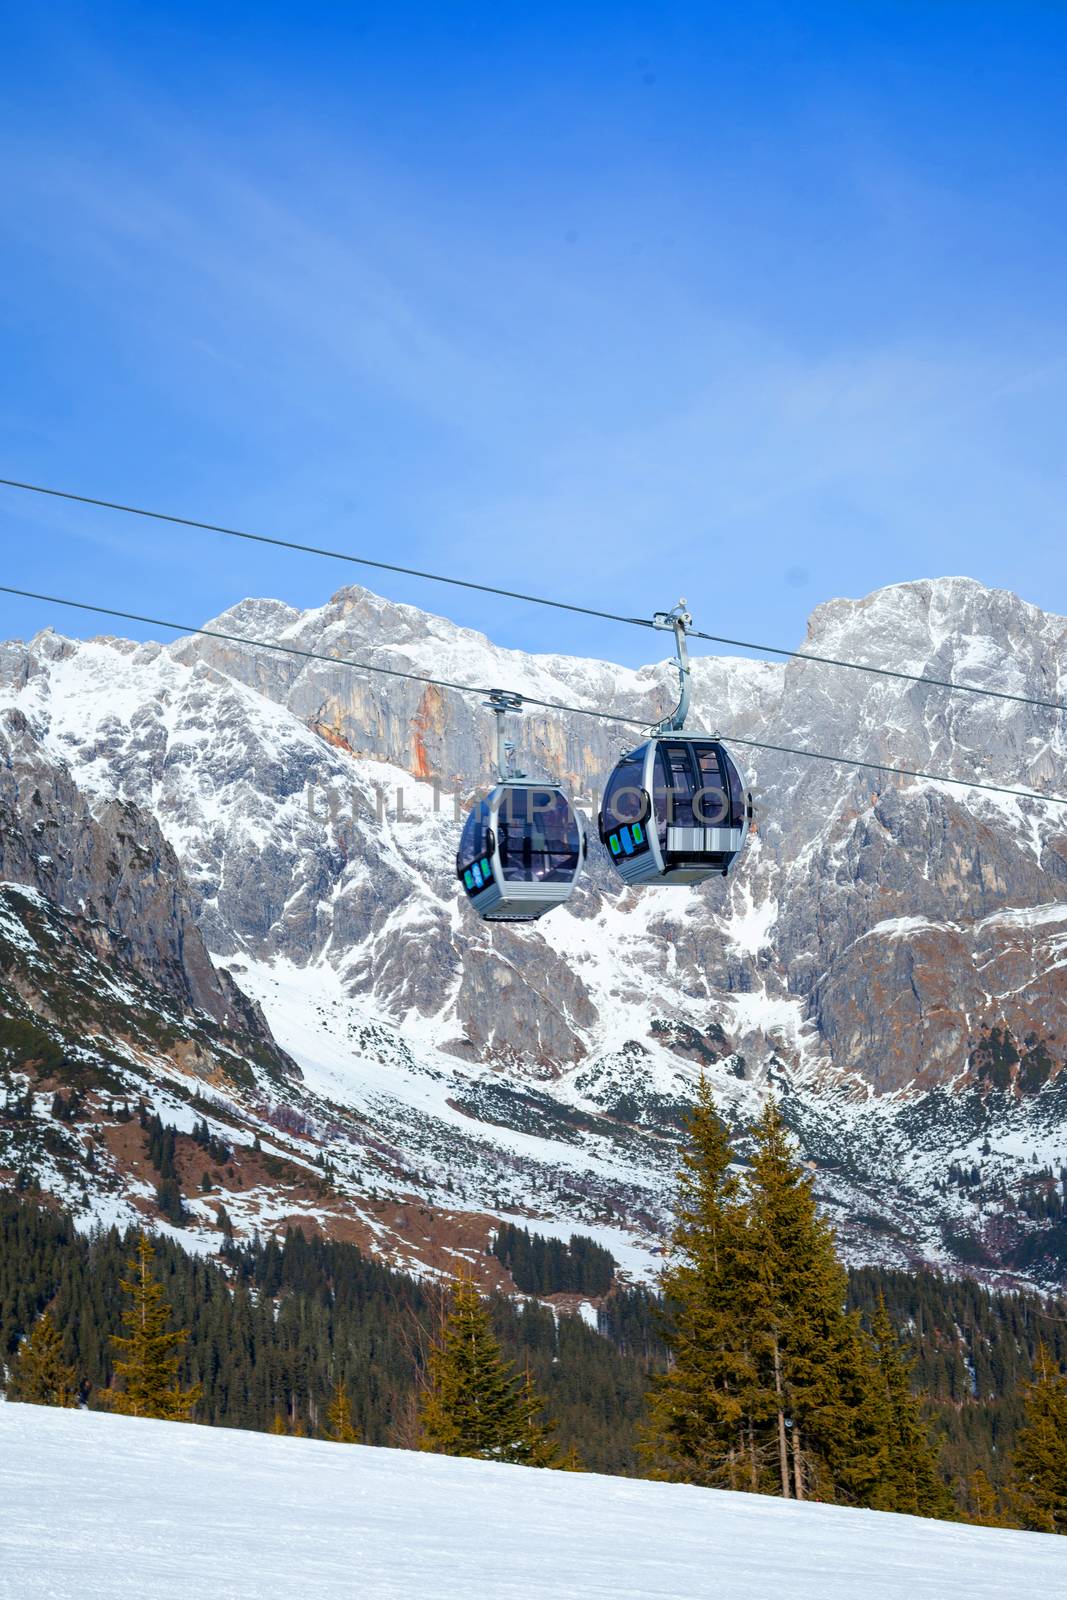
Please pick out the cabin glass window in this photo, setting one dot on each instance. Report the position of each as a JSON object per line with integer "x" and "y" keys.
{"x": 624, "y": 797}
{"x": 538, "y": 836}
{"x": 472, "y": 841}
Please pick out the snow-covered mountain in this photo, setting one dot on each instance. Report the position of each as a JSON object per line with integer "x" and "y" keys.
{"x": 891, "y": 956}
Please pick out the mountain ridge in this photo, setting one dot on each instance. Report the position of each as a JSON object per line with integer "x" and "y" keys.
{"x": 891, "y": 955}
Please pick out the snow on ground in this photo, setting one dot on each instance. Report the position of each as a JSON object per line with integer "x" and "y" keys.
{"x": 350, "y": 1058}
{"x": 313, "y": 1018}
{"x": 104, "y": 1508}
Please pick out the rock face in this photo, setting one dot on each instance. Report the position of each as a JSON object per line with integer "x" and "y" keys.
{"x": 844, "y": 853}
{"x": 881, "y": 932}
{"x": 118, "y": 874}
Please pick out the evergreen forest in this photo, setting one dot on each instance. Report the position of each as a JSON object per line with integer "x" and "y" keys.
{"x": 276, "y": 1327}
{"x": 759, "y": 1365}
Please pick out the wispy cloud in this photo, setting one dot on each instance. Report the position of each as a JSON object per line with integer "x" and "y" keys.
{"x": 287, "y": 327}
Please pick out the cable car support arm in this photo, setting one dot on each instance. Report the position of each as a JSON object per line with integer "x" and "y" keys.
{"x": 500, "y": 702}
{"x": 678, "y": 621}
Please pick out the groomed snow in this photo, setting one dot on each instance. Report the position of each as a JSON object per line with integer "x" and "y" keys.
{"x": 104, "y": 1508}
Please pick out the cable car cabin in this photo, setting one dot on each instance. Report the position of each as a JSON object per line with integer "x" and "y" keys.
{"x": 676, "y": 810}
{"x": 520, "y": 852}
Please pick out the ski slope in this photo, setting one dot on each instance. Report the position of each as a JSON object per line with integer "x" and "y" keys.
{"x": 105, "y": 1508}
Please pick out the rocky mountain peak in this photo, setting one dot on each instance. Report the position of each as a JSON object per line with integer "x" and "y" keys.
{"x": 879, "y": 933}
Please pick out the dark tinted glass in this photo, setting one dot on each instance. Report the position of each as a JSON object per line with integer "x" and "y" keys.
{"x": 737, "y": 793}
{"x": 472, "y": 840}
{"x": 659, "y": 796}
{"x": 675, "y": 785}
{"x": 538, "y": 836}
{"x": 711, "y": 806}
{"x": 624, "y": 796}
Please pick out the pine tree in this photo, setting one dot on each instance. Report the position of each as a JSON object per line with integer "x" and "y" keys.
{"x": 474, "y": 1405}
{"x": 39, "y": 1375}
{"x": 1039, "y": 1465}
{"x": 151, "y": 1354}
{"x": 817, "y": 1372}
{"x": 537, "y": 1448}
{"x": 339, "y": 1417}
{"x": 700, "y": 1426}
{"x": 982, "y": 1501}
{"x": 909, "y": 1480}
{"x": 278, "y": 1424}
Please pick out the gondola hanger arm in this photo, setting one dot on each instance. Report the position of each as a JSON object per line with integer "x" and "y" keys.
{"x": 677, "y": 621}
{"x": 500, "y": 703}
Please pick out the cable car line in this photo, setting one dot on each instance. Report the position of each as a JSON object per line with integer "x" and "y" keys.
{"x": 316, "y": 550}
{"x": 529, "y": 700}
{"x": 883, "y": 672}
{"x": 531, "y": 599}
{"x": 259, "y": 644}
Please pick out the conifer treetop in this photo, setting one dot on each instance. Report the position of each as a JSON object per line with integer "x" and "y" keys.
{"x": 149, "y": 1354}
{"x": 773, "y": 1385}
{"x": 474, "y": 1403}
{"x": 339, "y": 1416}
{"x": 1039, "y": 1465}
{"x": 39, "y": 1375}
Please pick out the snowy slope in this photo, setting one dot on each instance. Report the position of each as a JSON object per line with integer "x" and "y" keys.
{"x": 100, "y": 1508}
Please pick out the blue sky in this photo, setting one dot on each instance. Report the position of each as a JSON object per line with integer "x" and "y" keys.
{"x": 761, "y": 304}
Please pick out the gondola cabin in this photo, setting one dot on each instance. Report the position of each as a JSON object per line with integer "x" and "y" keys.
{"x": 675, "y": 810}
{"x": 520, "y": 852}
